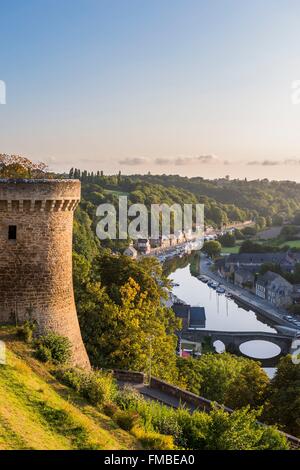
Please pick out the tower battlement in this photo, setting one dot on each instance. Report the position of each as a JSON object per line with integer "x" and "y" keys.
{"x": 39, "y": 195}
{"x": 36, "y": 224}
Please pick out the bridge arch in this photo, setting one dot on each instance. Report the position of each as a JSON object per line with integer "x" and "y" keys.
{"x": 232, "y": 340}
{"x": 260, "y": 349}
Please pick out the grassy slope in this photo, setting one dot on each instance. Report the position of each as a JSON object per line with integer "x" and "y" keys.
{"x": 37, "y": 412}
{"x": 291, "y": 244}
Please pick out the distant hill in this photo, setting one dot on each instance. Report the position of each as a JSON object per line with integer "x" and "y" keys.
{"x": 38, "y": 412}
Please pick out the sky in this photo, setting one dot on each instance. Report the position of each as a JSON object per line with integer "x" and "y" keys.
{"x": 190, "y": 87}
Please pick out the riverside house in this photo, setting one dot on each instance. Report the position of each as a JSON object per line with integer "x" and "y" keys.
{"x": 253, "y": 261}
{"x": 244, "y": 278}
{"x": 275, "y": 289}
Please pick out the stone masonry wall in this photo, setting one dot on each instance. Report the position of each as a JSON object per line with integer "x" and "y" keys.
{"x": 36, "y": 268}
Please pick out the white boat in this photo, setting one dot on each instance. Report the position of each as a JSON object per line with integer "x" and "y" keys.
{"x": 220, "y": 290}
{"x": 213, "y": 284}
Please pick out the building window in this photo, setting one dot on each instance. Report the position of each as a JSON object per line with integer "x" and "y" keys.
{"x": 12, "y": 232}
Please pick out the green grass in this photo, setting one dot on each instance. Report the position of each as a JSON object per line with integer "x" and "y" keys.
{"x": 291, "y": 244}
{"x": 235, "y": 249}
{"x": 230, "y": 249}
{"x": 37, "y": 412}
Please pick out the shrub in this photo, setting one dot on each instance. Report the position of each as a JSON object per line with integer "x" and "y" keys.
{"x": 128, "y": 398}
{"x": 272, "y": 439}
{"x": 227, "y": 240}
{"x": 98, "y": 387}
{"x": 71, "y": 377}
{"x": 153, "y": 440}
{"x": 126, "y": 419}
{"x": 59, "y": 347}
{"x": 193, "y": 429}
{"x": 165, "y": 421}
{"x": 249, "y": 231}
{"x": 110, "y": 409}
{"x": 42, "y": 353}
{"x": 25, "y": 332}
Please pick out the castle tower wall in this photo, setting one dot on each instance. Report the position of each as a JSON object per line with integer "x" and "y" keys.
{"x": 36, "y": 221}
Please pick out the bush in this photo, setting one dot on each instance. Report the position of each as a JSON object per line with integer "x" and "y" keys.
{"x": 110, "y": 409}
{"x": 127, "y": 419}
{"x": 25, "y": 332}
{"x": 71, "y": 377}
{"x": 193, "y": 429}
{"x": 153, "y": 440}
{"x": 239, "y": 235}
{"x": 128, "y": 398}
{"x": 249, "y": 231}
{"x": 165, "y": 420}
{"x": 59, "y": 347}
{"x": 97, "y": 387}
{"x": 227, "y": 240}
{"x": 42, "y": 353}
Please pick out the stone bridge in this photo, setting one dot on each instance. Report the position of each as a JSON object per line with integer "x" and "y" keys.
{"x": 232, "y": 341}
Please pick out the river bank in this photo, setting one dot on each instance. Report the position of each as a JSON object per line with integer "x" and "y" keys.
{"x": 248, "y": 299}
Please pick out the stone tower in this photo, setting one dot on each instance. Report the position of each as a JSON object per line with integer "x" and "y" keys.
{"x": 36, "y": 220}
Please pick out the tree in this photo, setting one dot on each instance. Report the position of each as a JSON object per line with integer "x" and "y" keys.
{"x": 122, "y": 320}
{"x": 277, "y": 220}
{"x": 249, "y": 231}
{"x": 283, "y": 404}
{"x": 129, "y": 335}
{"x": 225, "y": 378}
{"x": 296, "y": 219}
{"x": 240, "y": 431}
{"x": 239, "y": 234}
{"x": 268, "y": 221}
{"x": 261, "y": 222}
{"x": 275, "y": 268}
{"x": 16, "y": 166}
{"x": 289, "y": 232}
{"x": 227, "y": 240}
{"x": 212, "y": 248}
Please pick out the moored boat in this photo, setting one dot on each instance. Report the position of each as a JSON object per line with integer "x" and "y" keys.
{"x": 213, "y": 284}
{"x": 203, "y": 279}
{"x": 220, "y": 290}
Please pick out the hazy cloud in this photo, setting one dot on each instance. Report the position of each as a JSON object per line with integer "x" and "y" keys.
{"x": 134, "y": 161}
{"x": 207, "y": 159}
{"x": 270, "y": 163}
{"x": 183, "y": 161}
{"x": 292, "y": 161}
{"x": 180, "y": 161}
{"x": 162, "y": 161}
{"x": 264, "y": 162}
{"x": 287, "y": 161}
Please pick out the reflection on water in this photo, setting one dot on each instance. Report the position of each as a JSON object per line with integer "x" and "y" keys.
{"x": 221, "y": 313}
{"x": 224, "y": 314}
{"x": 263, "y": 349}
{"x": 270, "y": 371}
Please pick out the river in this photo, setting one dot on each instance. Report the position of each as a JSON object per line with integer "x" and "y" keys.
{"x": 222, "y": 313}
